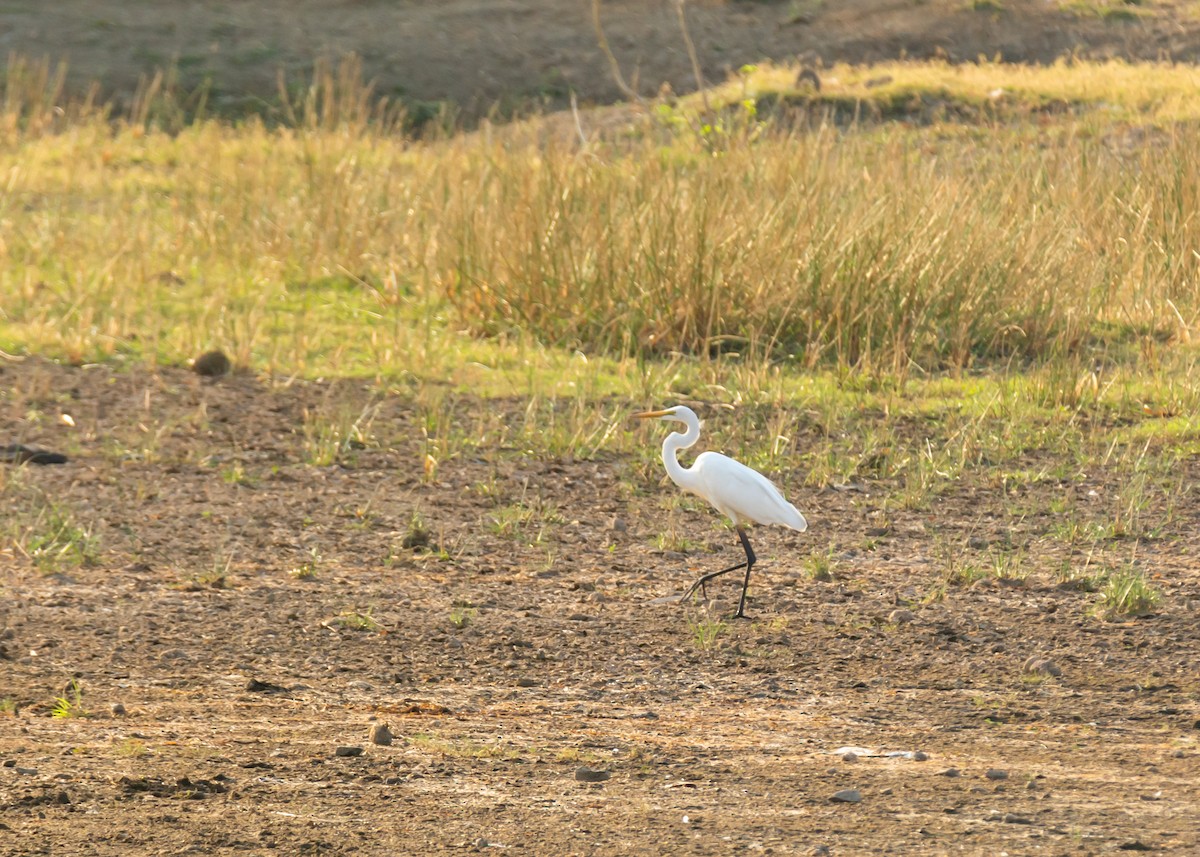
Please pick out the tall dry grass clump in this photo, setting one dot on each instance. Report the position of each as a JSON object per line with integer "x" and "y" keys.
{"x": 874, "y": 249}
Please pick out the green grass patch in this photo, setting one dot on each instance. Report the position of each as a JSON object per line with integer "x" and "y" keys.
{"x": 1126, "y": 592}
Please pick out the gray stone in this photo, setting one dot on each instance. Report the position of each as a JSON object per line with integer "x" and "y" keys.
{"x": 1040, "y": 665}
{"x": 584, "y": 774}
{"x": 847, "y": 796}
{"x": 380, "y": 734}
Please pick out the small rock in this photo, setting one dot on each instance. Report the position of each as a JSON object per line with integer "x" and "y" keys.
{"x": 1013, "y": 818}
{"x": 857, "y": 751}
{"x": 821, "y": 851}
{"x": 900, "y": 617}
{"x": 1035, "y": 664}
{"x": 527, "y": 682}
{"x": 18, "y": 454}
{"x": 118, "y": 710}
{"x": 62, "y": 798}
{"x": 212, "y": 364}
{"x": 920, "y": 756}
{"x": 482, "y": 843}
{"x": 380, "y": 734}
{"x": 415, "y": 538}
{"x": 847, "y": 796}
{"x": 584, "y": 774}
{"x": 618, "y": 525}
{"x": 950, "y": 772}
{"x": 996, "y": 774}
{"x": 348, "y": 752}
{"x": 849, "y": 757}
{"x": 256, "y": 686}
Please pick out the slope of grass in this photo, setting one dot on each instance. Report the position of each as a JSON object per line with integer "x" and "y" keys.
{"x": 338, "y": 245}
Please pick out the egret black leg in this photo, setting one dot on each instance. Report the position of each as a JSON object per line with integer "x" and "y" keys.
{"x": 699, "y": 584}
{"x": 750, "y": 560}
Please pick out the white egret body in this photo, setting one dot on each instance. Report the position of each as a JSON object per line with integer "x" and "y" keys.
{"x": 733, "y": 489}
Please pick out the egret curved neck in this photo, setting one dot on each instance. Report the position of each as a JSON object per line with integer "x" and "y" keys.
{"x": 680, "y": 475}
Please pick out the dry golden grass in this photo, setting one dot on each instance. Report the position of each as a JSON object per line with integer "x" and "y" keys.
{"x": 337, "y": 243}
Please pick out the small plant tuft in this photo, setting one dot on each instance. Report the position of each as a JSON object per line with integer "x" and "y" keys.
{"x": 1127, "y": 593}
{"x": 820, "y": 565}
{"x": 307, "y": 570}
{"x": 356, "y": 620}
{"x": 706, "y": 632}
{"x": 70, "y": 704}
{"x": 461, "y": 615}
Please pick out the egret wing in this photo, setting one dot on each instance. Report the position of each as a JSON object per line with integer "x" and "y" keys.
{"x": 745, "y": 494}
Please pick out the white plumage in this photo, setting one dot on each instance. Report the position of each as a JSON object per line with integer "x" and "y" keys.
{"x": 741, "y": 494}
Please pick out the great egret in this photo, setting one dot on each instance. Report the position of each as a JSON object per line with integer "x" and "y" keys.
{"x": 732, "y": 488}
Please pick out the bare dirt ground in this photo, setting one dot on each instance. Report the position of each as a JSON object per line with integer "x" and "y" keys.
{"x": 479, "y": 53}
{"x": 238, "y": 679}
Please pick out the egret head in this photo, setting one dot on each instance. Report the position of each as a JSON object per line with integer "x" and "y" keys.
{"x": 677, "y": 414}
